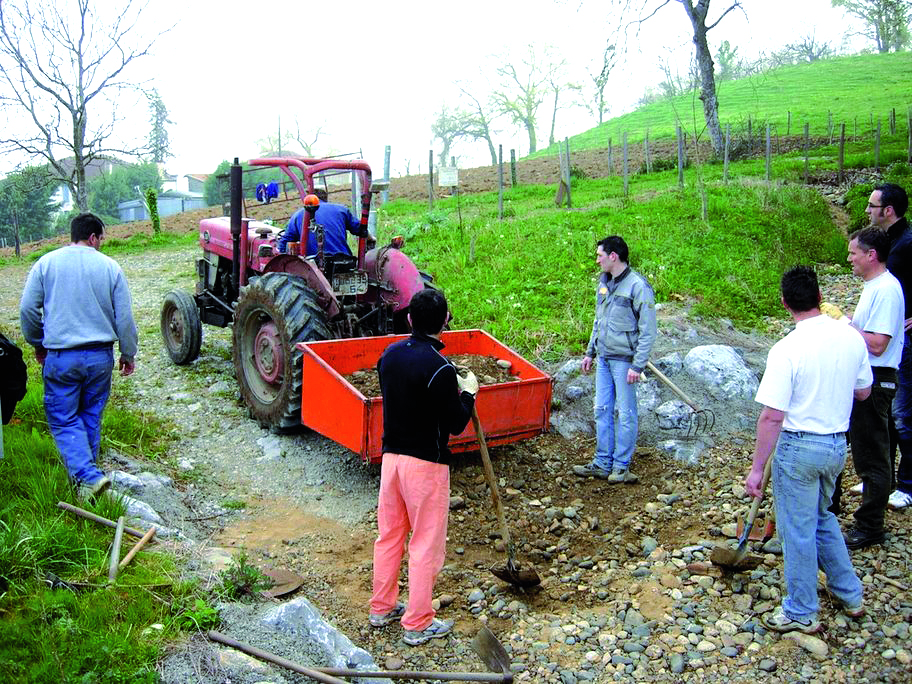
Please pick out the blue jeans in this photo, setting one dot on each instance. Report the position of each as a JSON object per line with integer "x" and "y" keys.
{"x": 77, "y": 383}
{"x": 615, "y": 415}
{"x": 805, "y": 468}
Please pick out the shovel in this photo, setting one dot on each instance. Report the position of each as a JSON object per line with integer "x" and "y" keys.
{"x": 511, "y": 572}
{"x": 733, "y": 558}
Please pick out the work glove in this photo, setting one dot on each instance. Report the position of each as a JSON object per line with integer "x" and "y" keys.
{"x": 832, "y": 311}
{"x": 466, "y": 380}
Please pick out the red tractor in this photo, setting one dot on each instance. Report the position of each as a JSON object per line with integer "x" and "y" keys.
{"x": 276, "y": 300}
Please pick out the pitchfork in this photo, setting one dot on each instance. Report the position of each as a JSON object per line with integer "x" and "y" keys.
{"x": 701, "y": 420}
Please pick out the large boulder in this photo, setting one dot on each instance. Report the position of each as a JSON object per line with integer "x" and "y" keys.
{"x": 722, "y": 370}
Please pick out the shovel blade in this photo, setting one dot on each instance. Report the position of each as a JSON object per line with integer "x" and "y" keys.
{"x": 492, "y": 653}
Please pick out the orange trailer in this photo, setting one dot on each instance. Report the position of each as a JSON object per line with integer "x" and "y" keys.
{"x": 508, "y": 411}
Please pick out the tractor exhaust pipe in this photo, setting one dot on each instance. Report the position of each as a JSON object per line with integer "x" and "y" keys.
{"x": 235, "y": 185}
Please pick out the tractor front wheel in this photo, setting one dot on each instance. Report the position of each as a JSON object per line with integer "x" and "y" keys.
{"x": 274, "y": 312}
{"x": 181, "y": 329}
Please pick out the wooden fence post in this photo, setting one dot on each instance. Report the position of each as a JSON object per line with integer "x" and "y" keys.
{"x": 877, "y": 147}
{"x": 750, "y": 136}
{"x": 681, "y": 155}
{"x": 512, "y": 168}
{"x": 807, "y": 147}
{"x": 788, "y": 127}
{"x": 385, "y": 195}
{"x": 728, "y": 136}
{"x": 769, "y": 155}
{"x": 830, "y": 126}
{"x": 610, "y": 165}
{"x": 430, "y": 179}
{"x": 893, "y": 121}
{"x": 909, "y": 128}
{"x": 646, "y": 146}
{"x": 626, "y": 167}
{"x": 841, "y": 173}
{"x": 500, "y": 181}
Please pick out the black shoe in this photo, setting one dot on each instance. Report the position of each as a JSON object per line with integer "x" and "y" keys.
{"x": 856, "y": 539}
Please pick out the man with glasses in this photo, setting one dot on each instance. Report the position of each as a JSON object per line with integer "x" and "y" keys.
{"x": 887, "y": 211}
{"x": 75, "y": 305}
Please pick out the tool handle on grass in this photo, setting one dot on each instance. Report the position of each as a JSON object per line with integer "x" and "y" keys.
{"x": 491, "y": 480}
{"x": 673, "y": 387}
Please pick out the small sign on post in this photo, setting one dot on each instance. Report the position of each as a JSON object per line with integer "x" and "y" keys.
{"x": 448, "y": 176}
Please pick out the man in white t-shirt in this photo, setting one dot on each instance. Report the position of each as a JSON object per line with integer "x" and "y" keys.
{"x": 807, "y": 393}
{"x": 879, "y": 316}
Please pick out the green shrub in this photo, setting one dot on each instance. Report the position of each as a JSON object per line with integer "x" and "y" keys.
{"x": 152, "y": 205}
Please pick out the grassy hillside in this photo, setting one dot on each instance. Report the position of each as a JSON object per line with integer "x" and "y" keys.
{"x": 858, "y": 88}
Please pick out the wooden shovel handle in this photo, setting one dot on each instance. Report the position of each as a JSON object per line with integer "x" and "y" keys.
{"x": 674, "y": 388}
{"x": 491, "y": 479}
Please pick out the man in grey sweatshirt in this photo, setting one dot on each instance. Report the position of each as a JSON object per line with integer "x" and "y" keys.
{"x": 75, "y": 305}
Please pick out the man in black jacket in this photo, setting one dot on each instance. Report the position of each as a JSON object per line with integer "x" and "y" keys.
{"x": 887, "y": 210}
{"x": 424, "y": 402}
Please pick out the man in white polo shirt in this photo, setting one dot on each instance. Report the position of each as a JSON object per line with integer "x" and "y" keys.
{"x": 807, "y": 391}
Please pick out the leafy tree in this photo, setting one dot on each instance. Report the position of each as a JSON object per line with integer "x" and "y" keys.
{"x": 523, "y": 87}
{"x": 159, "y": 142}
{"x": 107, "y": 190}
{"x": 26, "y": 209}
{"x": 212, "y": 190}
{"x": 63, "y": 68}
{"x": 698, "y": 15}
{"x": 886, "y": 22}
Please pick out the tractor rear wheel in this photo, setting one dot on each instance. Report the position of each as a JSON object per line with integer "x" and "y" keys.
{"x": 181, "y": 329}
{"x": 274, "y": 312}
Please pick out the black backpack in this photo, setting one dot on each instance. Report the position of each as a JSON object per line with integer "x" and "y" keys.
{"x": 13, "y": 376}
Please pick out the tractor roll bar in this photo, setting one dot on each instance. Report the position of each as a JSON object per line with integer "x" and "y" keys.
{"x": 310, "y": 166}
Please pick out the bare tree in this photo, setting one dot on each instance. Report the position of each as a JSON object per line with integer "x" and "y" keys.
{"x": 523, "y": 87}
{"x": 306, "y": 139}
{"x": 481, "y": 117}
{"x": 806, "y": 48}
{"x": 886, "y": 22}
{"x": 595, "y": 104}
{"x": 59, "y": 63}
{"x": 697, "y": 14}
{"x": 449, "y": 126}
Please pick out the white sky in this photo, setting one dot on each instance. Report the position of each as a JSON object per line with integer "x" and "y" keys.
{"x": 374, "y": 73}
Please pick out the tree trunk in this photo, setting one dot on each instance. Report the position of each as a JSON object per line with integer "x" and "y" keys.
{"x": 697, "y": 15}
{"x": 81, "y": 191}
{"x": 553, "y": 117}
{"x": 530, "y": 128}
{"x": 491, "y": 149}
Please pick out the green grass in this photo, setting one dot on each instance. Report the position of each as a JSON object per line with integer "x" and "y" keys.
{"x": 90, "y": 635}
{"x": 857, "y": 90}
{"x": 530, "y": 279}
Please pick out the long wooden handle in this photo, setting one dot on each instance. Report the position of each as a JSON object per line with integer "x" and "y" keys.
{"x": 755, "y": 506}
{"x": 491, "y": 479}
{"x": 141, "y": 543}
{"x": 674, "y": 388}
{"x": 88, "y": 515}
{"x": 272, "y": 658}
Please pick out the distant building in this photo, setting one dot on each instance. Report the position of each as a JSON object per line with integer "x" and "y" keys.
{"x": 196, "y": 181}
{"x": 170, "y": 202}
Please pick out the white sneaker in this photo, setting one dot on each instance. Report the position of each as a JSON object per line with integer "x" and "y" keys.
{"x": 857, "y": 489}
{"x": 899, "y": 500}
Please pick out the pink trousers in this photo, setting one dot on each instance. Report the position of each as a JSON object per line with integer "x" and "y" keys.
{"x": 414, "y": 497}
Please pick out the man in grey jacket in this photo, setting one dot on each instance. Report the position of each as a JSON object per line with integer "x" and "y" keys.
{"x": 623, "y": 333}
{"x": 75, "y": 305}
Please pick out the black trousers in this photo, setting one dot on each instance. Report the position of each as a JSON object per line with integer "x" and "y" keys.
{"x": 869, "y": 435}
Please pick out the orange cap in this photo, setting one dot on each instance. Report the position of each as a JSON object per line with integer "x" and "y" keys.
{"x": 311, "y": 201}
